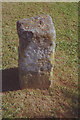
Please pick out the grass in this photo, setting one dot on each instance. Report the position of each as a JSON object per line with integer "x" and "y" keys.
{"x": 61, "y": 100}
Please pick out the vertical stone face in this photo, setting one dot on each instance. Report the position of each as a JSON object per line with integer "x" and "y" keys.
{"x": 36, "y": 51}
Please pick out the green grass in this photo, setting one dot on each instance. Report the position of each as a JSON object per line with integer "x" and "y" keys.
{"x": 65, "y": 18}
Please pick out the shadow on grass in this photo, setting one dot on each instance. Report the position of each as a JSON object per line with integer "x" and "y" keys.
{"x": 10, "y": 80}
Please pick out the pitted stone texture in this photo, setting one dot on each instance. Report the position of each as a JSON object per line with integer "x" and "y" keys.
{"x": 36, "y": 51}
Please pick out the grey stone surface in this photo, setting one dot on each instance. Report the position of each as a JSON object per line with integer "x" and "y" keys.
{"x": 36, "y": 51}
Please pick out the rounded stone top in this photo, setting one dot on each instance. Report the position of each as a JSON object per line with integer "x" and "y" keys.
{"x": 41, "y": 25}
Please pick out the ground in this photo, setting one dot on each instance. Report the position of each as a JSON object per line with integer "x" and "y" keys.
{"x": 60, "y": 101}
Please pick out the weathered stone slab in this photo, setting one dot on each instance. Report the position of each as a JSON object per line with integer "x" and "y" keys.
{"x": 36, "y": 51}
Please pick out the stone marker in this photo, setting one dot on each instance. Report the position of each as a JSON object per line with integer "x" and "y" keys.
{"x": 36, "y": 51}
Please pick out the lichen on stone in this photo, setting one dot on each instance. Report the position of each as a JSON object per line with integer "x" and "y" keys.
{"x": 36, "y": 51}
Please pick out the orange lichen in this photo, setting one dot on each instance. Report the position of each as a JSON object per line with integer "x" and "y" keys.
{"x": 36, "y": 19}
{"x": 52, "y": 59}
{"x": 31, "y": 21}
{"x": 42, "y": 26}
